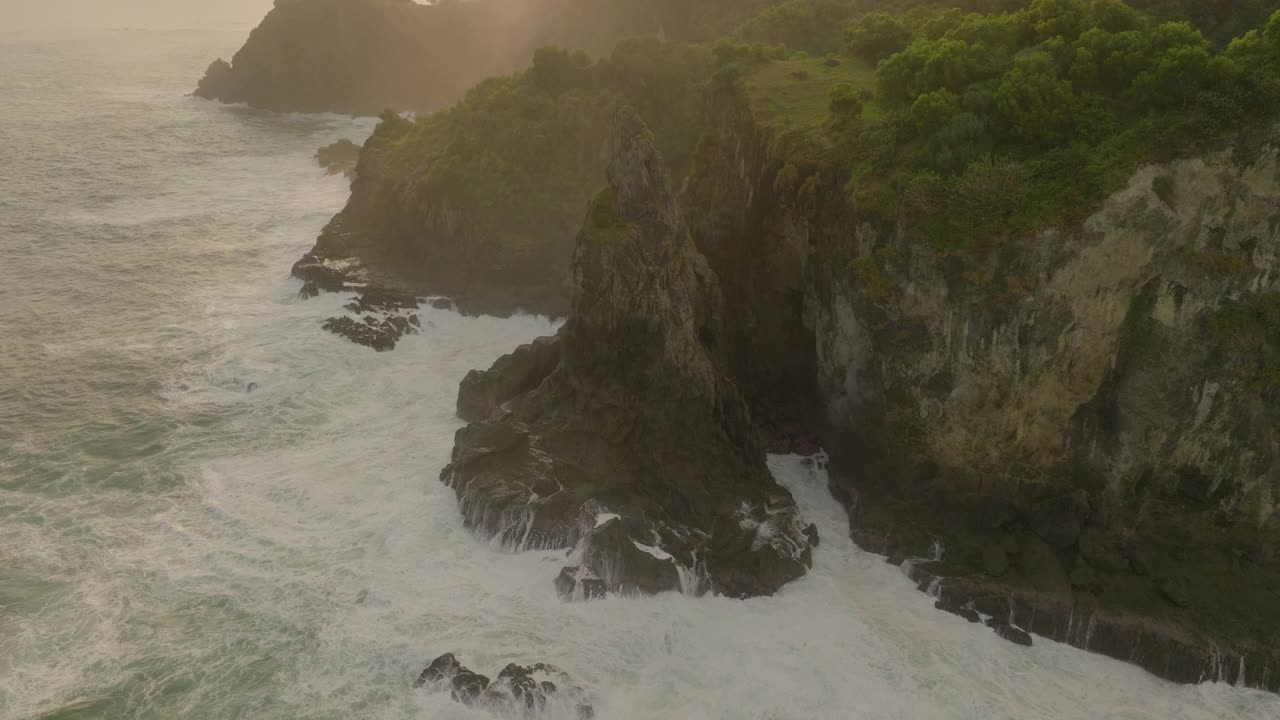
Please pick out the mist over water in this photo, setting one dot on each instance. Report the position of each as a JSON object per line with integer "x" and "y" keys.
{"x": 176, "y": 545}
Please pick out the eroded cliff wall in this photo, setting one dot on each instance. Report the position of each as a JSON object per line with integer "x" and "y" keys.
{"x": 1087, "y": 420}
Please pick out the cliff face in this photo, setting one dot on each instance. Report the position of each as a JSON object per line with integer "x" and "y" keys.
{"x": 365, "y": 56}
{"x": 623, "y": 438}
{"x": 1087, "y": 421}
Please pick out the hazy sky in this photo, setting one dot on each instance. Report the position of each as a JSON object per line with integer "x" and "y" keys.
{"x": 15, "y": 15}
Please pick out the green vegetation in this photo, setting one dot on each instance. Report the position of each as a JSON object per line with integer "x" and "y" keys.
{"x": 799, "y": 93}
{"x": 986, "y": 125}
{"x": 523, "y": 153}
{"x": 971, "y": 121}
{"x": 1248, "y": 333}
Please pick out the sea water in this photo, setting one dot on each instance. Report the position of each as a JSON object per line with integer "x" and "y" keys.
{"x": 210, "y": 508}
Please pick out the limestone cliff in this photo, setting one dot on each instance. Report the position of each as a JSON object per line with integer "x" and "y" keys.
{"x": 1086, "y": 421}
{"x": 623, "y": 437}
{"x": 365, "y": 56}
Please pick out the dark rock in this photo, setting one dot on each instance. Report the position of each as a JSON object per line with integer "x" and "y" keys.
{"x": 340, "y": 157}
{"x": 1100, "y": 552}
{"x": 445, "y": 671}
{"x": 611, "y": 561}
{"x": 995, "y": 561}
{"x": 1042, "y": 568}
{"x": 382, "y": 300}
{"x": 997, "y": 513}
{"x": 483, "y": 391}
{"x": 1059, "y": 521}
{"x": 380, "y": 334}
{"x": 635, "y": 415}
{"x": 467, "y": 686}
{"x": 309, "y": 289}
{"x": 967, "y": 613}
{"x": 443, "y": 304}
{"x": 517, "y": 691}
{"x": 218, "y": 80}
{"x": 1011, "y": 545}
{"x": 1175, "y": 591}
{"x": 380, "y": 339}
{"x": 806, "y": 447}
{"x": 811, "y": 532}
{"x": 1013, "y": 634}
{"x": 573, "y": 583}
{"x": 1082, "y": 576}
{"x": 441, "y": 669}
{"x": 1139, "y": 562}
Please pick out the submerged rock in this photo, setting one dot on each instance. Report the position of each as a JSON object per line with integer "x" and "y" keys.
{"x": 517, "y": 691}
{"x": 633, "y": 447}
{"x": 380, "y": 333}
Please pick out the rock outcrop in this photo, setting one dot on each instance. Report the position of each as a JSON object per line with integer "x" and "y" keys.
{"x": 635, "y": 448}
{"x": 1086, "y": 419}
{"x": 340, "y": 157}
{"x": 518, "y": 691}
{"x": 378, "y": 320}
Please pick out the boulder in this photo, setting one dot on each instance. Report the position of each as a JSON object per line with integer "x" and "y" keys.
{"x": 380, "y": 333}
{"x": 610, "y": 561}
{"x": 482, "y": 392}
{"x": 1012, "y": 633}
{"x": 340, "y": 157}
{"x": 634, "y": 419}
{"x": 518, "y": 690}
{"x": 445, "y": 672}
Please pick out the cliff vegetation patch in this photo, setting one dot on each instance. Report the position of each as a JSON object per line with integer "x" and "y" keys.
{"x": 1000, "y": 118}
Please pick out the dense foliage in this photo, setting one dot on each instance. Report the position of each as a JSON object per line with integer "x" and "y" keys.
{"x": 990, "y": 123}
{"x": 525, "y": 151}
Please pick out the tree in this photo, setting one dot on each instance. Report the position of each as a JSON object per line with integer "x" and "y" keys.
{"x": 934, "y": 109}
{"x": 1058, "y": 18}
{"x": 845, "y": 103}
{"x": 1037, "y": 105}
{"x": 875, "y": 36}
{"x": 556, "y": 69}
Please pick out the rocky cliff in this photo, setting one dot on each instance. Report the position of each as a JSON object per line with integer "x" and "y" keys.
{"x": 365, "y": 56}
{"x": 623, "y": 438}
{"x": 1081, "y": 428}
{"x": 481, "y": 202}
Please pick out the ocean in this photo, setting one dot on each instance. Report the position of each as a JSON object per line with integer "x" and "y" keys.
{"x": 212, "y": 509}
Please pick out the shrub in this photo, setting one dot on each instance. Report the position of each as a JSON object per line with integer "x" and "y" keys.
{"x": 845, "y": 102}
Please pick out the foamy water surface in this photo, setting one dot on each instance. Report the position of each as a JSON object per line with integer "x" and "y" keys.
{"x": 174, "y": 544}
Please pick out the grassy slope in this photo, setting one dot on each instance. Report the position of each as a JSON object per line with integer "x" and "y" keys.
{"x": 796, "y": 93}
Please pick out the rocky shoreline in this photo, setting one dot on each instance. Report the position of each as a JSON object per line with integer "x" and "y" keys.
{"x": 1040, "y": 551}
{"x": 1080, "y": 419}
